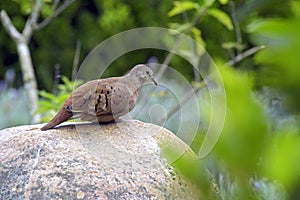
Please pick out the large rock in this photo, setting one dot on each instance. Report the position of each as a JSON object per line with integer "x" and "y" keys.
{"x": 114, "y": 161}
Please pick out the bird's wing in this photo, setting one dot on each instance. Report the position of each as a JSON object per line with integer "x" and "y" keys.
{"x": 113, "y": 99}
{"x": 92, "y": 98}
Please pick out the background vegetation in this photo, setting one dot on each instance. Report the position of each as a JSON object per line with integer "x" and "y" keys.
{"x": 257, "y": 156}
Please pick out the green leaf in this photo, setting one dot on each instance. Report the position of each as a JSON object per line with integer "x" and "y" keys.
{"x": 180, "y": 7}
{"x": 245, "y": 129}
{"x": 65, "y": 80}
{"x": 179, "y": 27}
{"x": 196, "y": 33}
{"x": 46, "y": 10}
{"x": 282, "y": 159}
{"x": 233, "y": 45}
{"x": 208, "y": 3}
{"x": 221, "y": 17}
{"x": 198, "y": 37}
{"x": 223, "y": 2}
{"x": 61, "y": 98}
{"x": 280, "y": 58}
{"x": 26, "y": 7}
{"x": 47, "y": 95}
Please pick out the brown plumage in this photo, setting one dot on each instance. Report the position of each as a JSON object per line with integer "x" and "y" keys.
{"x": 103, "y": 100}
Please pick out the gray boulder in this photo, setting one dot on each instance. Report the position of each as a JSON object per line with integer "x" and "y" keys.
{"x": 87, "y": 161}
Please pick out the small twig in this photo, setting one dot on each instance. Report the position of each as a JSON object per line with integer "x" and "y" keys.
{"x": 202, "y": 84}
{"x": 231, "y": 53}
{"x": 174, "y": 49}
{"x": 236, "y": 26}
{"x": 32, "y": 20}
{"x": 245, "y": 54}
{"x": 195, "y": 61}
{"x": 55, "y": 13}
{"x": 76, "y": 59}
{"x": 57, "y": 76}
{"x": 171, "y": 53}
{"x": 55, "y": 4}
{"x": 186, "y": 98}
{"x": 177, "y": 45}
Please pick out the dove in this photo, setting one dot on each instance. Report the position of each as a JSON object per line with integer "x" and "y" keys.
{"x": 104, "y": 100}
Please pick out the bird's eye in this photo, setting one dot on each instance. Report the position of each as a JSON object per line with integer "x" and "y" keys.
{"x": 148, "y": 72}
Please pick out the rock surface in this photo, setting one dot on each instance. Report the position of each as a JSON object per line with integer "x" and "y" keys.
{"x": 86, "y": 161}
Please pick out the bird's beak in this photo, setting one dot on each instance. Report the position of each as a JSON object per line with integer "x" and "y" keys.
{"x": 154, "y": 81}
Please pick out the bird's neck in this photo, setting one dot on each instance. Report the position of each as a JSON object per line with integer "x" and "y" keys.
{"x": 133, "y": 82}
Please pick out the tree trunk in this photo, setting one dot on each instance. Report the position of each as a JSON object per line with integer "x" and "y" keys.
{"x": 22, "y": 39}
{"x": 29, "y": 79}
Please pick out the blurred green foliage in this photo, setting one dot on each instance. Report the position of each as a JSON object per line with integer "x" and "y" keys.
{"x": 280, "y": 58}
{"x": 49, "y": 103}
{"x": 93, "y": 21}
{"x": 88, "y": 21}
{"x": 257, "y": 154}
{"x": 280, "y": 70}
{"x": 245, "y": 123}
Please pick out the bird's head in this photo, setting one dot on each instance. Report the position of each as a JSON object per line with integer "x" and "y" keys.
{"x": 143, "y": 73}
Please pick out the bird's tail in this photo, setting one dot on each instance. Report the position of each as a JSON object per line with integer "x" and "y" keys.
{"x": 60, "y": 117}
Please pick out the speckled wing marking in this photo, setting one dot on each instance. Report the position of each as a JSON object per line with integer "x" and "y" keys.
{"x": 102, "y": 101}
{"x": 95, "y": 101}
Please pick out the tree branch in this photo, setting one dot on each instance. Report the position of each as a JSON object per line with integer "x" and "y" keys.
{"x": 55, "y": 4}
{"x": 176, "y": 46}
{"x": 55, "y": 13}
{"x": 244, "y": 55}
{"x": 236, "y": 26}
{"x": 21, "y": 40}
{"x": 196, "y": 59}
{"x": 32, "y": 20}
{"x": 57, "y": 77}
{"x": 76, "y": 59}
{"x": 186, "y": 98}
{"x": 178, "y": 43}
{"x": 202, "y": 84}
{"x": 9, "y": 27}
